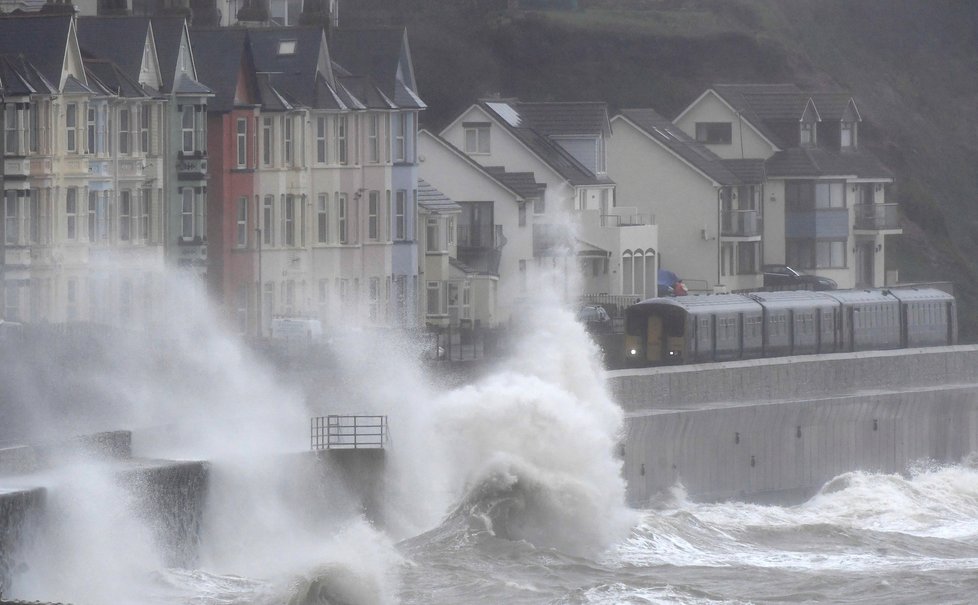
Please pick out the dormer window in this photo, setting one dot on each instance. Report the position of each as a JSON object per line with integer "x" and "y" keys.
{"x": 847, "y": 139}
{"x": 286, "y": 47}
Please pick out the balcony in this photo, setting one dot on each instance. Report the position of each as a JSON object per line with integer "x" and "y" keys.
{"x": 16, "y": 167}
{"x": 478, "y": 236}
{"x": 877, "y": 217}
{"x": 191, "y": 167}
{"x": 823, "y": 223}
{"x": 740, "y": 223}
{"x": 626, "y": 220}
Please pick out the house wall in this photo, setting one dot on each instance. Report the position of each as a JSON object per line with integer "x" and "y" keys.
{"x": 460, "y": 181}
{"x": 745, "y": 142}
{"x": 683, "y": 201}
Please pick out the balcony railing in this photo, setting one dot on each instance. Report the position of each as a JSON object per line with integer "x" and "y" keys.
{"x": 740, "y": 223}
{"x": 626, "y": 220}
{"x": 476, "y": 236}
{"x": 877, "y": 217}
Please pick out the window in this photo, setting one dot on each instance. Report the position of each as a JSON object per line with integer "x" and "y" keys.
{"x": 341, "y": 142}
{"x": 830, "y": 195}
{"x": 35, "y": 127}
{"x": 476, "y": 137}
{"x": 373, "y": 138}
{"x": 187, "y": 128}
{"x": 321, "y": 155}
{"x": 242, "y": 223}
{"x": 288, "y": 224}
{"x": 322, "y": 219}
{"x": 266, "y": 141}
{"x": 71, "y": 299}
{"x": 11, "y": 217}
{"x": 714, "y": 133}
{"x": 145, "y": 119}
{"x": 125, "y": 135}
{"x": 34, "y": 217}
{"x": 242, "y": 140}
{"x": 539, "y": 206}
{"x": 287, "y": 150}
{"x": 451, "y": 230}
{"x": 145, "y": 203}
{"x": 431, "y": 236}
{"x": 434, "y": 298}
{"x": 98, "y": 216}
{"x": 187, "y": 213}
{"x": 807, "y": 133}
{"x": 10, "y": 129}
{"x": 125, "y": 215}
{"x": 71, "y": 213}
{"x": 71, "y": 127}
{"x": 102, "y": 130}
{"x": 267, "y": 220}
{"x": 830, "y": 254}
{"x": 373, "y": 211}
{"x": 747, "y": 258}
{"x": 400, "y": 138}
{"x": 341, "y": 217}
{"x": 91, "y": 130}
{"x": 286, "y": 47}
{"x": 373, "y": 296}
{"x": 400, "y": 215}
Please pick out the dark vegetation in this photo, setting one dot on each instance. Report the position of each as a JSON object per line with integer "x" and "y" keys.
{"x": 911, "y": 64}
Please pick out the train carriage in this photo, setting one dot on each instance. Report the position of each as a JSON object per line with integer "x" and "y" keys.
{"x": 799, "y": 322}
{"x": 928, "y": 317}
{"x": 700, "y": 329}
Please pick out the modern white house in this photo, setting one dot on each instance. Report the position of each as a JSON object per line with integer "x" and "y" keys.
{"x": 578, "y": 230}
{"x": 825, "y": 202}
{"x": 709, "y": 208}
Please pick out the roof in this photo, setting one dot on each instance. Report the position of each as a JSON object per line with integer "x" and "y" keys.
{"x": 220, "y": 53}
{"x": 523, "y": 183}
{"x": 832, "y": 105}
{"x": 112, "y": 79}
{"x": 748, "y": 171}
{"x": 556, "y": 119}
{"x": 818, "y": 162}
{"x": 433, "y": 200}
{"x": 381, "y": 57}
{"x": 19, "y": 77}
{"x": 42, "y": 38}
{"x": 524, "y": 126}
{"x": 673, "y": 138}
{"x": 167, "y": 31}
{"x": 118, "y": 39}
{"x": 295, "y": 76}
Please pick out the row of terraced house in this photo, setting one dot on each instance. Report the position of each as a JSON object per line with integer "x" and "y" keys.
{"x": 285, "y": 168}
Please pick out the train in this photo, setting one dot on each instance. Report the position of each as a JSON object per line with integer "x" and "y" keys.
{"x": 725, "y": 327}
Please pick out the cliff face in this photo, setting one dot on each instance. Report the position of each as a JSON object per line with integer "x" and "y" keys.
{"x": 911, "y": 64}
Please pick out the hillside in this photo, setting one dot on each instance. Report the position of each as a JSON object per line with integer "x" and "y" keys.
{"x": 911, "y": 64}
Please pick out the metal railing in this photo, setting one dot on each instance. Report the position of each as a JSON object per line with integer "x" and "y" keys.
{"x": 627, "y": 220}
{"x": 476, "y": 236}
{"x": 877, "y": 217}
{"x": 347, "y": 432}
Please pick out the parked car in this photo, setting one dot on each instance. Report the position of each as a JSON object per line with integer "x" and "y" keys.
{"x": 595, "y": 319}
{"x": 784, "y": 277}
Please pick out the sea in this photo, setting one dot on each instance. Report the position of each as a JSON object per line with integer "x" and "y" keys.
{"x": 501, "y": 490}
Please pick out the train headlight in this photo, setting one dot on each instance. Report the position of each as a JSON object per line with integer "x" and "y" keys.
{"x": 633, "y": 352}
{"x": 672, "y": 353}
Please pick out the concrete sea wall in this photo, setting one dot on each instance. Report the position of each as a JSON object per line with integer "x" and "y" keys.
{"x": 778, "y": 429}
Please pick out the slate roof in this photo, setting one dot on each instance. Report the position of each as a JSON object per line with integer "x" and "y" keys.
{"x": 832, "y": 105}
{"x": 167, "y": 31}
{"x": 747, "y": 171}
{"x": 523, "y": 183}
{"x": 42, "y": 38}
{"x": 434, "y": 200}
{"x": 509, "y": 114}
{"x": 565, "y": 118}
{"x": 376, "y": 54}
{"x": 118, "y": 39}
{"x": 220, "y": 53}
{"x": 19, "y": 77}
{"x": 112, "y": 79}
{"x": 294, "y": 76}
{"x": 814, "y": 162}
{"x": 681, "y": 144}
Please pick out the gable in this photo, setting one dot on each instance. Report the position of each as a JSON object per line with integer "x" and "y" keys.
{"x": 72, "y": 66}
{"x": 149, "y": 66}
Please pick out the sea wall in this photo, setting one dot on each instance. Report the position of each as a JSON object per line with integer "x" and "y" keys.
{"x": 778, "y": 429}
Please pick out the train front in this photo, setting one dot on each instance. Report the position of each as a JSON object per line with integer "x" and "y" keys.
{"x": 655, "y": 333}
